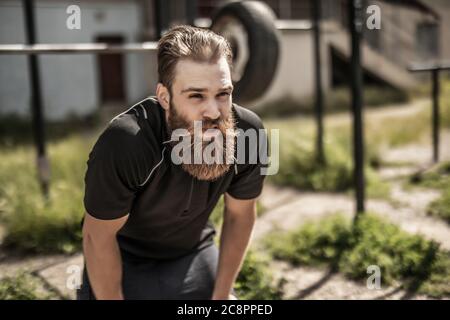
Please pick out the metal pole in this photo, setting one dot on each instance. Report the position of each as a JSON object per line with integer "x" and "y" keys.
{"x": 36, "y": 101}
{"x": 356, "y": 23}
{"x": 162, "y": 16}
{"x": 436, "y": 120}
{"x": 320, "y": 154}
{"x": 434, "y": 68}
{"x": 191, "y": 11}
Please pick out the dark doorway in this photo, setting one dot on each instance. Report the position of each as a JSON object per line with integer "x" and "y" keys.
{"x": 111, "y": 73}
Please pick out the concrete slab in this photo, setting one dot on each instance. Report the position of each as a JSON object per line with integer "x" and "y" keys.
{"x": 64, "y": 276}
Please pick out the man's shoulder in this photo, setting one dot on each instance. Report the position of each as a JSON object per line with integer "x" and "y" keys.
{"x": 125, "y": 130}
{"x": 128, "y": 120}
{"x": 246, "y": 118}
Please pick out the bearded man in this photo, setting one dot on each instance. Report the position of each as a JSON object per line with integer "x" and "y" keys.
{"x": 146, "y": 233}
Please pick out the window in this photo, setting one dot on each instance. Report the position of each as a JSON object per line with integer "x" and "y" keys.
{"x": 427, "y": 40}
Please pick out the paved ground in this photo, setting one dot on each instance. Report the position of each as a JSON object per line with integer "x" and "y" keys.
{"x": 320, "y": 284}
{"x": 408, "y": 211}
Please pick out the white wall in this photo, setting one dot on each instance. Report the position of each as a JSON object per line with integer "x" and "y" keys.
{"x": 69, "y": 82}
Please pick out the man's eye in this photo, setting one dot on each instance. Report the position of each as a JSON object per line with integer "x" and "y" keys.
{"x": 196, "y": 96}
{"x": 224, "y": 94}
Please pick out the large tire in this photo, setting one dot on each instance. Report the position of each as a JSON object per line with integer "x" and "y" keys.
{"x": 249, "y": 26}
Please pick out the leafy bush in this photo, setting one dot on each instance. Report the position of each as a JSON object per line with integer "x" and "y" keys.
{"x": 255, "y": 281}
{"x": 299, "y": 168}
{"x": 350, "y": 249}
{"x": 313, "y": 244}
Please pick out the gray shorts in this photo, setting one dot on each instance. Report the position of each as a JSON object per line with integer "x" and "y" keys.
{"x": 190, "y": 277}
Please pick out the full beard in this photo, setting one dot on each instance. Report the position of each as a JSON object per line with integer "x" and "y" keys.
{"x": 225, "y": 147}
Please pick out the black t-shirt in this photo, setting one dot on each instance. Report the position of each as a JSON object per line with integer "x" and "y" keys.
{"x": 130, "y": 171}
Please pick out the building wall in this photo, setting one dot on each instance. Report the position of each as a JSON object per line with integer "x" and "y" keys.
{"x": 69, "y": 82}
{"x": 443, "y": 8}
{"x": 398, "y": 33}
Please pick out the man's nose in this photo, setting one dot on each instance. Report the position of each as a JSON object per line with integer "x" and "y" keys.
{"x": 212, "y": 111}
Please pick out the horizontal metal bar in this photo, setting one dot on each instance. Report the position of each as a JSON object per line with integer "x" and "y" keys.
{"x": 77, "y": 48}
{"x": 421, "y": 67}
{"x": 293, "y": 25}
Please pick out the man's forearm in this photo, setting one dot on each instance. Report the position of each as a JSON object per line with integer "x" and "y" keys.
{"x": 104, "y": 266}
{"x": 234, "y": 239}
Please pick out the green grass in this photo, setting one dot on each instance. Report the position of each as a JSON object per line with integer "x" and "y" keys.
{"x": 255, "y": 281}
{"x": 417, "y": 263}
{"x": 336, "y": 100}
{"x": 437, "y": 177}
{"x": 298, "y": 166}
{"x": 441, "y": 207}
{"x": 15, "y": 130}
{"x": 22, "y": 286}
{"x": 413, "y": 128}
{"x": 32, "y": 223}
{"x": 445, "y": 101}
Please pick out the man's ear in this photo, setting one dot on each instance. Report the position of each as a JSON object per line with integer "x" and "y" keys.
{"x": 163, "y": 95}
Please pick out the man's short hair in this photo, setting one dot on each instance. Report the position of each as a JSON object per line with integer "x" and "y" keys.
{"x": 187, "y": 42}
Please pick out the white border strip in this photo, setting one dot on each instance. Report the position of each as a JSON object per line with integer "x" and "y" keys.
{"x": 129, "y": 109}
{"x": 159, "y": 163}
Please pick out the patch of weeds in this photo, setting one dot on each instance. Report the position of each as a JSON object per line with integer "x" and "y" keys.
{"x": 22, "y": 286}
{"x": 255, "y": 282}
{"x": 417, "y": 263}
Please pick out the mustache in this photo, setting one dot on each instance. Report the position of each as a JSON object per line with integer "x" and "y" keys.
{"x": 225, "y": 124}
{"x": 214, "y": 124}
{"x": 217, "y": 124}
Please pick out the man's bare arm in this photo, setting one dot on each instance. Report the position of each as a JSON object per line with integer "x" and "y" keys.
{"x": 102, "y": 255}
{"x": 239, "y": 218}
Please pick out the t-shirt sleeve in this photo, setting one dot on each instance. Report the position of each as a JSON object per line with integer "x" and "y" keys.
{"x": 248, "y": 182}
{"x": 115, "y": 168}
